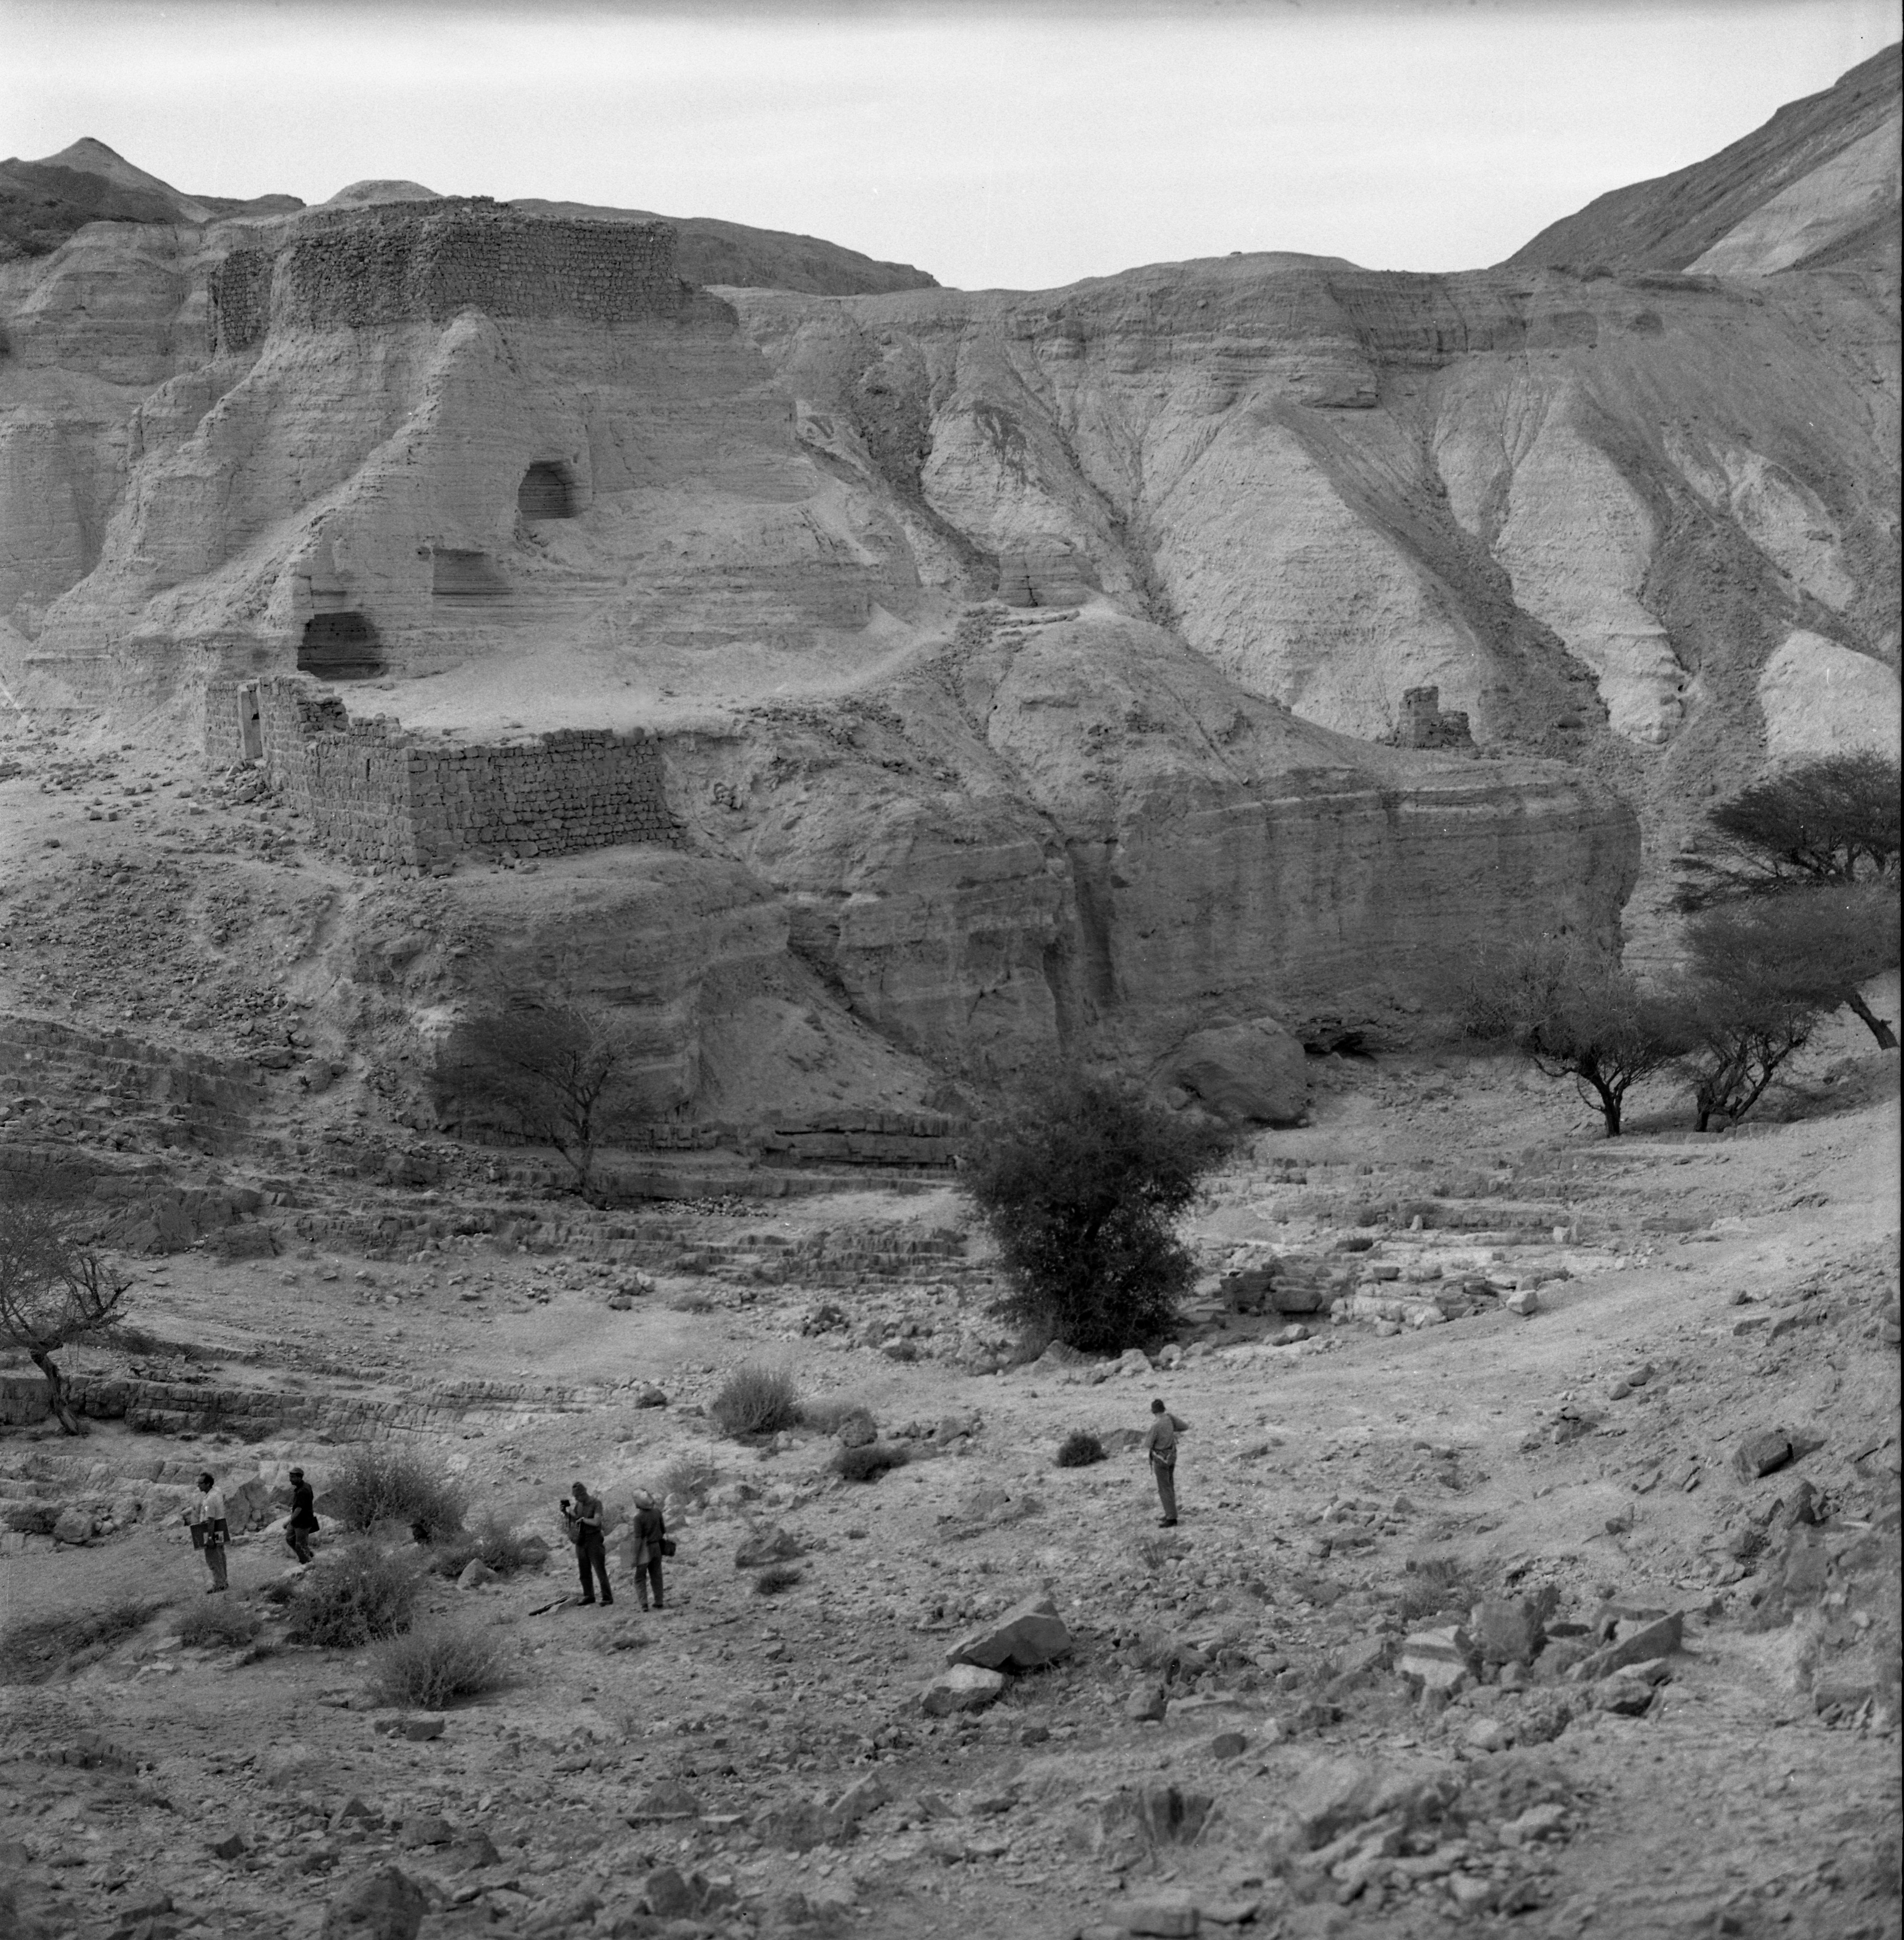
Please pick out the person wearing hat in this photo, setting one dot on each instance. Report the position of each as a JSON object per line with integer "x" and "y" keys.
{"x": 210, "y": 1533}
{"x": 648, "y": 1543}
{"x": 302, "y": 1524}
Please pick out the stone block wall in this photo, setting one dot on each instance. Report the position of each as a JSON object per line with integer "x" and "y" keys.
{"x": 1423, "y": 724}
{"x": 375, "y": 792}
{"x": 241, "y": 299}
{"x": 423, "y": 262}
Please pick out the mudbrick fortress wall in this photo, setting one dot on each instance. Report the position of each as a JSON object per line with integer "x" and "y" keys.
{"x": 406, "y": 263}
{"x": 375, "y": 792}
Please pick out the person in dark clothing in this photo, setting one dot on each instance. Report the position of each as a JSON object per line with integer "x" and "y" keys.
{"x": 583, "y": 1516}
{"x": 302, "y": 1524}
{"x": 646, "y": 1535}
{"x": 1159, "y": 1444}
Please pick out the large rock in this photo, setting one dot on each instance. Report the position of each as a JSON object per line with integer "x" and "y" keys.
{"x": 388, "y": 1905}
{"x": 73, "y": 1526}
{"x": 1252, "y": 1073}
{"x": 762, "y": 1546}
{"x": 1028, "y": 1635}
{"x": 965, "y": 1687}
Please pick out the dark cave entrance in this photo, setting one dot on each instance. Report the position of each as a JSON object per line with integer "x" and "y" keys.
{"x": 339, "y": 646}
{"x": 544, "y": 493}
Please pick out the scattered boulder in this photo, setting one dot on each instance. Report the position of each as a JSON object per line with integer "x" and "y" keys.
{"x": 1028, "y": 1635}
{"x": 1523, "y": 1301}
{"x": 1147, "y": 1705}
{"x": 73, "y": 1526}
{"x": 1636, "y": 1641}
{"x": 965, "y": 1687}
{"x": 1227, "y": 1745}
{"x": 798, "y": 1825}
{"x": 865, "y": 1796}
{"x": 475, "y": 1574}
{"x": 1248, "y": 1073}
{"x": 231, "y": 1846}
{"x": 1506, "y": 1632}
{"x": 425, "y": 1829}
{"x": 666, "y": 1798}
{"x": 1440, "y": 1660}
{"x": 1623, "y": 1695}
{"x": 650, "y": 1397}
{"x": 1167, "y": 1915}
{"x": 858, "y": 1430}
{"x": 762, "y": 1546}
{"x": 426, "y": 1725}
{"x": 1762, "y": 1452}
{"x": 388, "y": 1905}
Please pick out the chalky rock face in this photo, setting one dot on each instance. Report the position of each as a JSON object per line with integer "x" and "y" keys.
{"x": 924, "y": 681}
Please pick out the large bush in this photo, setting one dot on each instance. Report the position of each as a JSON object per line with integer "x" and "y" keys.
{"x": 380, "y": 1484}
{"x": 757, "y": 1401}
{"x": 1081, "y": 1181}
{"x": 436, "y": 1663}
{"x": 358, "y": 1594}
{"x": 1574, "y": 1014}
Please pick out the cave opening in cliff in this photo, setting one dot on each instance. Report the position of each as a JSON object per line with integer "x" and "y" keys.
{"x": 339, "y": 646}
{"x": 544, "y": 493}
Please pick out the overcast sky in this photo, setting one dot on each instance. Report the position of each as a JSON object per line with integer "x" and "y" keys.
{"x": 1022, "y": 145}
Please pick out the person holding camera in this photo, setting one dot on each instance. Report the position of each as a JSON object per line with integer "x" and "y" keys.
{"x": 583, "y": 1516}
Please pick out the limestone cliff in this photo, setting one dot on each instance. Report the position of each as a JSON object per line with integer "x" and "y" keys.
{"x": 1022, "y": 670}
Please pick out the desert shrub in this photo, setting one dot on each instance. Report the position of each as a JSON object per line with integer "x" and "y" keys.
{"x": 691, "y": 1303}
{"x": 493, "y": 1543}
{"x": 690, "y": 1477}
{"x": 1079, "y": 1449}
{"x": 1771, "y": 958}
{"x": 435, "y": 1663}
{"x": 567, "y": 1077}
{"x": 381, "y": 1484}
{"x": 1831, "y": 819}
{"x": 218, "y": 1622}
{"x": 357, "y": 1595}
{"x": 829, "y": 1417}
{"x": 32, "y": 1518}
{"x": 30, "y": 1653}
{"x": 1436, "y": 1583}
{"x": 775, "y": 1578}
{"x": 754, "y": 1400}
{"x": 868, "y": 1463}
{"x": 1081, "y": 1181}
{"x": 1573, "y": 1014}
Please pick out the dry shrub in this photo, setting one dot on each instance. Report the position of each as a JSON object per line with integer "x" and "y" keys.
{"x": 493, "y": 1543}
{"x": 381, "y": 1484}
{"x": 1436, "y": 1583}
{"x": 431, "y": 1666}
{"x": 215, "y": 1623}
{"x": 755, "y": 1400}
{"x": 775, "y": 1578}
{"x": 357, "y": 1595}
{"x": 1079, "y": 1449}
{"x": 829, "y": 1416}
{"x": 690, "y": 1477}
{"x": 690, "y": 1303}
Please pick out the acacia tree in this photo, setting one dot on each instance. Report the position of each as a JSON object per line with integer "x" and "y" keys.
{"x": 1746, "y": 1030}
{"x": 1832, "y": 820}
{"x": 1081, "y": 1181}
{"x": 55, "y": 1289}
{"x": 1572, "y": 1014}
{"x": 559, "y": 1076}
{"x": 1813, "y": 946}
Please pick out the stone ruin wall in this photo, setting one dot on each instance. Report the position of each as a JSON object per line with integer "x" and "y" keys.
{"x": 376, "y": 793}
{"x": 408, "y": 263}
{"x": 1425, "y": 724}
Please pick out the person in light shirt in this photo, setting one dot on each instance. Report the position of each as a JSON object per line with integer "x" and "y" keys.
{"x": 210, "y": 1531}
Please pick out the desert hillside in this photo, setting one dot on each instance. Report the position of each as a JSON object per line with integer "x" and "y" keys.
{"x": 850, "y": 695}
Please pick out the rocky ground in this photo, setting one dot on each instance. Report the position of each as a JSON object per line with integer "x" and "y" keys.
{"x": 1356, "y": 1690}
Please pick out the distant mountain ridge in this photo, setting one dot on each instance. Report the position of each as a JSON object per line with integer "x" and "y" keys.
{"x": 43, "y": 203}
{"x": 1816, "y": 187}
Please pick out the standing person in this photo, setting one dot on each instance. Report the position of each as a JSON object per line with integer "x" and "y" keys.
{"x": 583, "y": 1516}
{"x": 1159, "y": 1444}
{"x": 648, "y": 1543}
{"x": 210, "y": 1532}
{"x": 302, "y": 1524}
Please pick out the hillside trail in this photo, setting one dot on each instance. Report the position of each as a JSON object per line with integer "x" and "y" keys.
{"x": 1328, "y": 1488}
